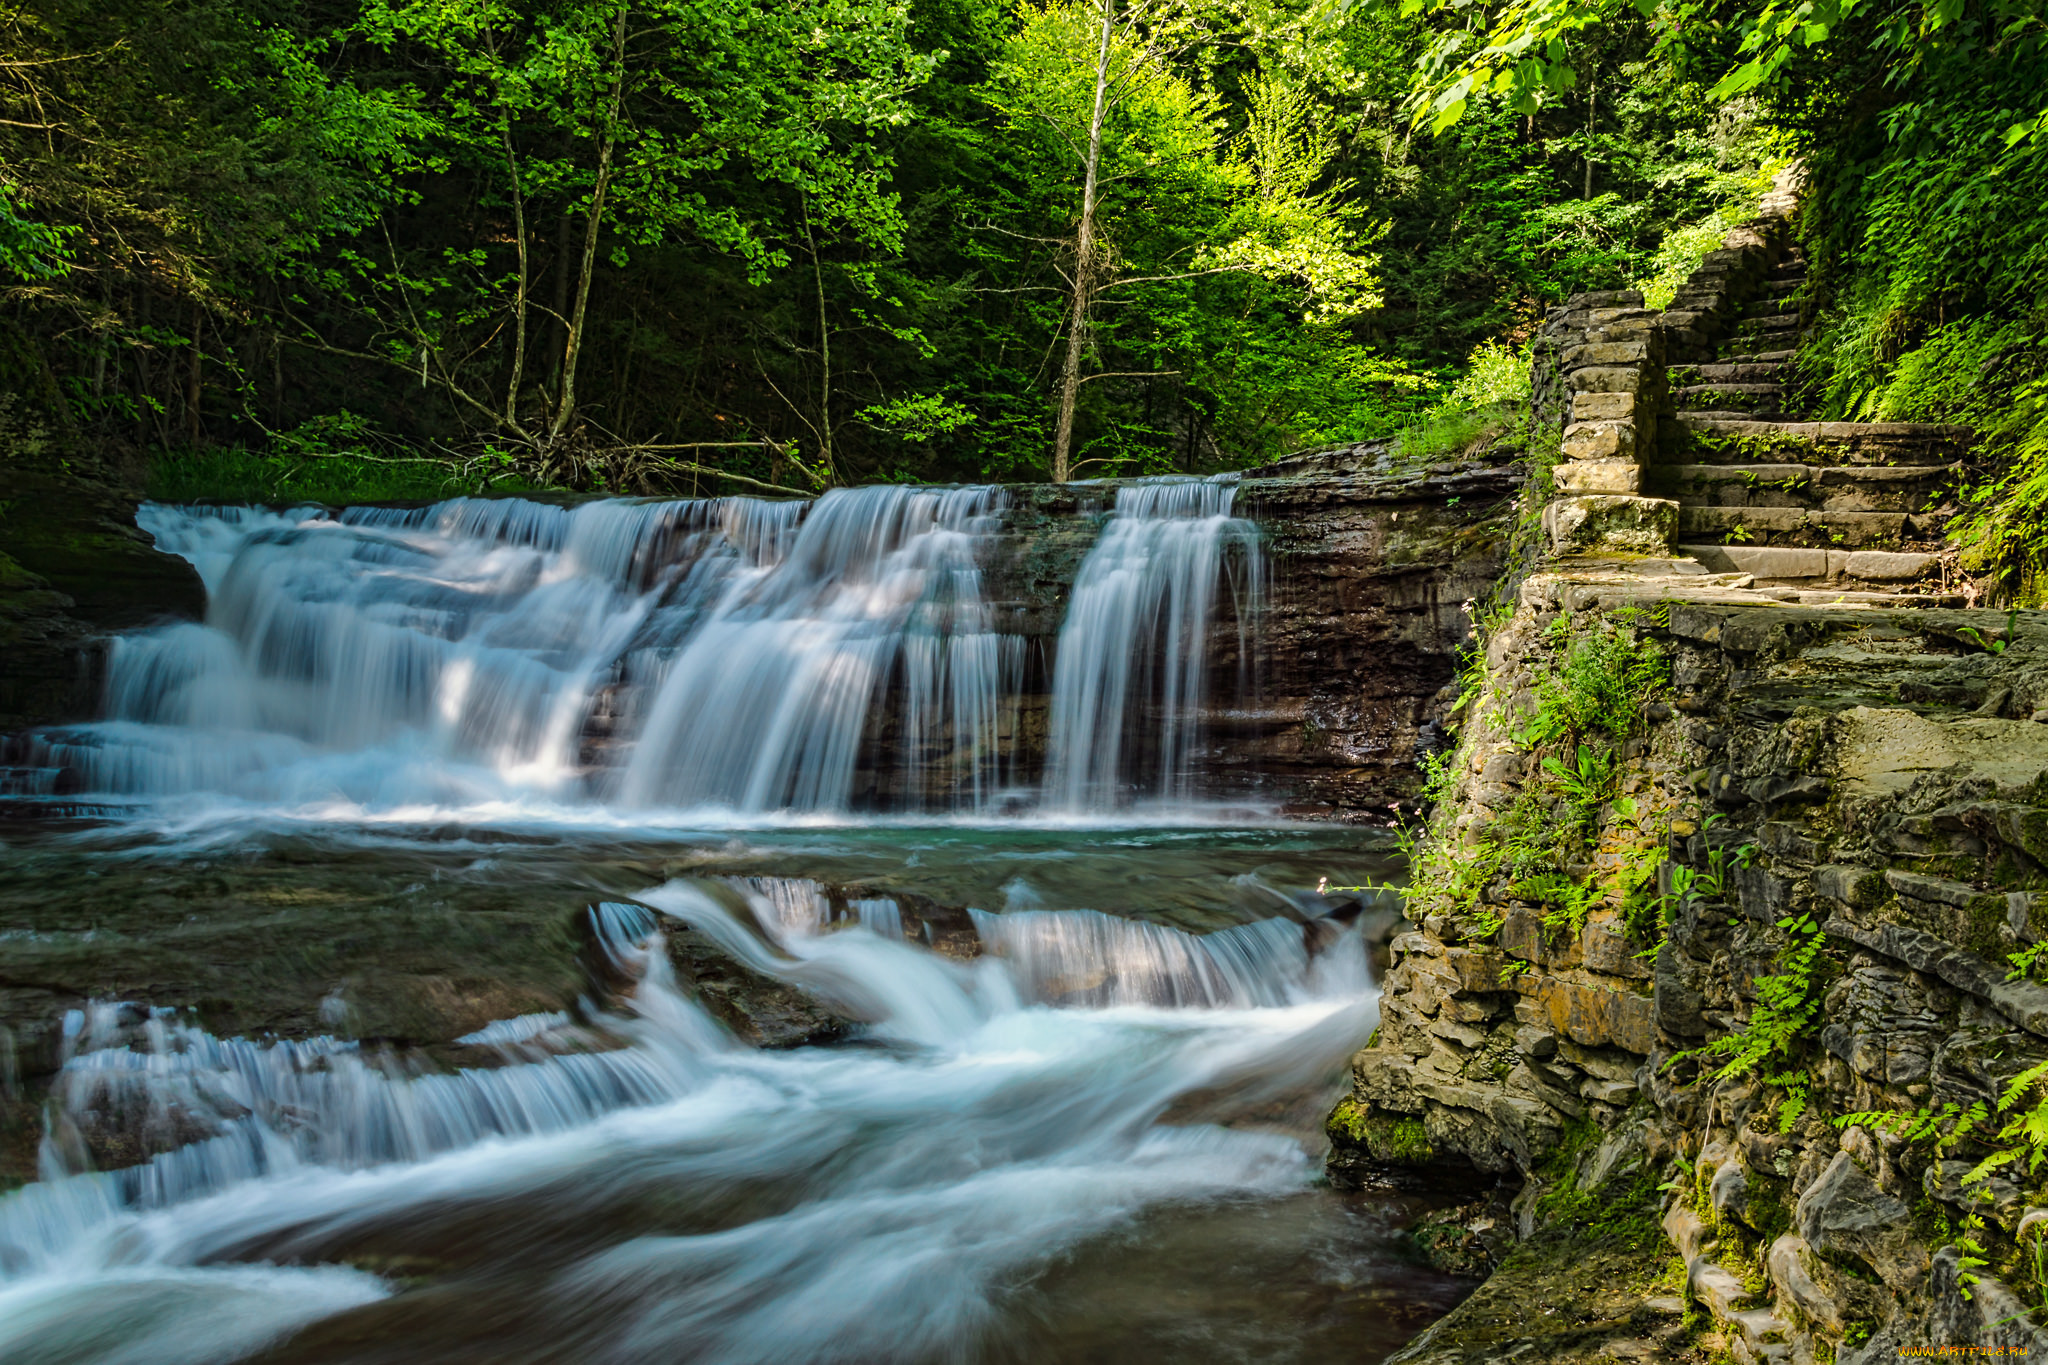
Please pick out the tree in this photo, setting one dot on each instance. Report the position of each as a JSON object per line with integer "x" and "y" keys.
{"x": 632, "y": 118}
{"x": 1165, "y": 197}
{"x": 1529, "y": 50}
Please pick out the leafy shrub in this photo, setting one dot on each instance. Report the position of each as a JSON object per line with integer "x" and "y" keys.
{"x": 1599, "y": 684}
{"x": 1683, "y": 248}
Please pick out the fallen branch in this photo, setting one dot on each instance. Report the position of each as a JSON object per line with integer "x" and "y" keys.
{"x": 715, "y": 472}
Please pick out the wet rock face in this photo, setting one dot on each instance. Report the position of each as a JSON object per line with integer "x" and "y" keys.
{"x": 1865, "y": 787}
{"x": 1845, "y": 1214}
{"x": 1320, "y": 703}
{"x": 1372, "y": 568}
{"x": 73, "y": 567}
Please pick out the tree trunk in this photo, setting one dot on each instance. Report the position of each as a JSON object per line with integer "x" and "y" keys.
{"x": 192, "y": 381}
{"x": 1592, "y": 102}
{"x": 824, "y": 355}
{"x": 1084, "y": 258}
{"x": 566, "y": 412}
{"x": 559, "y": 339}
{"x": 518, "y": 379}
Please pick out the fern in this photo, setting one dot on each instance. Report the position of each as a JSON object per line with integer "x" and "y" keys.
{"x": 1944, "y": 1128}
{"x": 1787, "y": 1003}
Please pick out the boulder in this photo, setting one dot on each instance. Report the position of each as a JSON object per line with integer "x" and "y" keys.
{"x": 1844, "y": 1213}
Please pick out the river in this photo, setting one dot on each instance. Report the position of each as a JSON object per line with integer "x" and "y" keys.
{"x": 530, "y": 768}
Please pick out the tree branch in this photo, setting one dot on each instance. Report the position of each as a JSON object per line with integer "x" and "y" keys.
{"x": 1128, "y": 374}
{"x": 715, "y": 472}
{"x": 1187, "y": 275}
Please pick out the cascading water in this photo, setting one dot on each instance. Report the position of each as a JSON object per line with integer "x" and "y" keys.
{"x": 1130, "y": 681}
{"x": 730, "y": 655}
{"x": 814, "y": 1206}
{"x": 465, "y": 712}
{"x": 461, "y": 654}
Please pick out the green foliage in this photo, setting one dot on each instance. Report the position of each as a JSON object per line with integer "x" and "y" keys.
{"x": 1591, "y": 688}
{"x": 1599, "y": 686}
{"x": 1530, "y": 52}
{"x": 1489, "y": 399}
{"x": 338, "y": 480}
{"x": 829, "y": 239}
{"x": 1494, "y": 375}
{"x": 1623, "y": 1210}
{"x": 1684, "y": 247}
{"x": 1787, "y": 1007}
{"x": 28, "y": 249}
{"x": 1941, "y": 1129}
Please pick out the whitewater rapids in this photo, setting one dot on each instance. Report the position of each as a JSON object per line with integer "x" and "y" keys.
{"x": 681, "y": 1196}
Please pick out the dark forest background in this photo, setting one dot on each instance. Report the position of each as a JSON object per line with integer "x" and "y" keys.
{"x": 650, "y": 245}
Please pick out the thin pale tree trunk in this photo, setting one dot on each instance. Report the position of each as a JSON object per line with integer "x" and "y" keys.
{"x": 518, "y": 379}
{"x": 567, "y": 411}
{"x": 1084, "y": 259}
{"x": 824, "y": 352}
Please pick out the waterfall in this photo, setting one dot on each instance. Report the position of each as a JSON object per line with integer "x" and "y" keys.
{"x": 710, "y": 658}
{"x": 1130, "y": 680}
{"x": 728, "y": 653}
{"x": 278, "y": 1147}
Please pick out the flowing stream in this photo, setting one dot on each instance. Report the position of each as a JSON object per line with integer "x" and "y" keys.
{"x": 727, "y": 657}
{"x": 1069, "y": 1109}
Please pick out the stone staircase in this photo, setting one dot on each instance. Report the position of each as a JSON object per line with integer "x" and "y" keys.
{"x": 1730, "y": 459}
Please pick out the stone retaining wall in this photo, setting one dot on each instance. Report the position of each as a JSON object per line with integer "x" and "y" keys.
{"x": 1878, "y": 779}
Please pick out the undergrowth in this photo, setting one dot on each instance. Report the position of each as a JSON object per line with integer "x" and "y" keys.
{"x": 1490, "y": 397}
{"x": 334, "y": 480}
{"x": 1590, "y": 686}
{"x": 1622, "y": 1211}
{"x": 1786, "y": 1010}
{"x": 337, "y": 460}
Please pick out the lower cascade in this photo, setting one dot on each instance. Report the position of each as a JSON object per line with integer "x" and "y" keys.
{"x": 866, "y": 1204}
{"x": 733, "y": 655}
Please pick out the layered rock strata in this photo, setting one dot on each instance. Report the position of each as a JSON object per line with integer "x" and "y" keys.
{"x": 1846, "y": 811}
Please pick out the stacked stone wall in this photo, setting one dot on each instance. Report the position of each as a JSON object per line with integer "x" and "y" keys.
{"x": 1872, "y": 782}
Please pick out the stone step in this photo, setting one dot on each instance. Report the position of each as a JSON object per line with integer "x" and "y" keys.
{"x": 1824, "y": 488}
{"x": 1773, "y": 308}
{"x": 1763, "y": 331}
{"x": 1801, "y": 526}
{"x": 1699, "y": 415}
{"x": 1728, "y": 440}
{"x": 1776, "y": 564}
{"x": 1730, "y": 372}
{"x": 1765, "y": 401}
{"x": 1785, "y": 286}
{"x": 1760, "y": 358}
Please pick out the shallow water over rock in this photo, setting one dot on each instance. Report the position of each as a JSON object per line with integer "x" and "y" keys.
{"x": 1043, "y": 1132}
{"x": 718, "y": 931}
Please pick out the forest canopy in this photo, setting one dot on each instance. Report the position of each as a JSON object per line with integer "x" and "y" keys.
{"x": 661, "y": 244}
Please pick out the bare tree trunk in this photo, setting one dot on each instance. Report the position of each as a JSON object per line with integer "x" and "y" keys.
{"x": 824, "y": 354}
{"x": 558, "y": 340}
{"x": 192, "y": 380}
{"x": 1592, "y": 102}
{"x": 518, "y": 379}
{"x": 566, "y": 412}
{"x": 1084, "y": 258}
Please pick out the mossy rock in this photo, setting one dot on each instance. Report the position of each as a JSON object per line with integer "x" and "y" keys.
{"x": 1363, "y": 1135}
